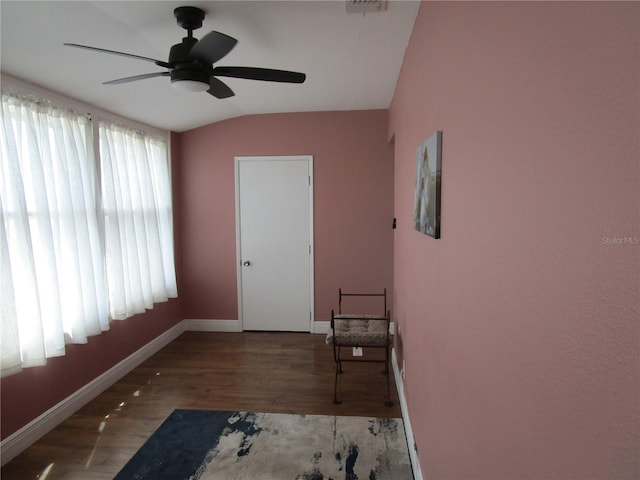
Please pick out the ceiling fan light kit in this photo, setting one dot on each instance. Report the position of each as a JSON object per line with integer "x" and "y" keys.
{"x": 190, "y": 64}
{"x": 188, "y": 85}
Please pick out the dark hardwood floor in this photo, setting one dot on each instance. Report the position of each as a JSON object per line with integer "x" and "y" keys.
{"x": 249, "y": 371}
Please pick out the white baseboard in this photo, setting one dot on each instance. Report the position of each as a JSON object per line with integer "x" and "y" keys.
{"x": 320, "y": 326}
{"x": 210, "y": 325}
{"x": 206, "y": 325}
{"x": 27, "y": 435}
{"x": 413, "y": 454}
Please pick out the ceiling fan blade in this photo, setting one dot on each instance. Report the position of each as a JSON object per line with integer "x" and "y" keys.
{"x": 219, "y": 89}
{"x": 160, "y": 63}
{"x": 212, "y": 47}
{"x": 266, "y": 74}
{"x": 137, "y": 77}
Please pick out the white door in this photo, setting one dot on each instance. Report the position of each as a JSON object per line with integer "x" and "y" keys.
{"x": 274, "y": 205}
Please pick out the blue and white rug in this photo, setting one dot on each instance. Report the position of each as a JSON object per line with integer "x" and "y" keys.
{"x": 210, "y": 445}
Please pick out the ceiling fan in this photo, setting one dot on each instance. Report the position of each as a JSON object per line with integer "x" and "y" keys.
{"x": 190, "y": 64}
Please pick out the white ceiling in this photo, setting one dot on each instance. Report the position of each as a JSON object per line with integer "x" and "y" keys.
{"x": 352, "y": 61}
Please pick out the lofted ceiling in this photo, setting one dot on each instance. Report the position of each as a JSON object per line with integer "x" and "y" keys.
{"x": 352, "y": 60}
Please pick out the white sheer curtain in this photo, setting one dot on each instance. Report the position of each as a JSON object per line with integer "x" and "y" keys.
{"x": 79, "y": 245}
{"x": 136, "y": 199}
{"x": 53, "y": 288}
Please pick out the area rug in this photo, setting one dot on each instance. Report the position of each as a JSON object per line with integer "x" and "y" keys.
{"x": 211, "y": 445}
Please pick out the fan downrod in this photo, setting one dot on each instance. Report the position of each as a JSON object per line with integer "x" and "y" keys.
{"x": 189, "y": 18}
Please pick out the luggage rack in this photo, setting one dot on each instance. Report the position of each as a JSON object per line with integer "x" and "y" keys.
{"x": 359, "y": 330}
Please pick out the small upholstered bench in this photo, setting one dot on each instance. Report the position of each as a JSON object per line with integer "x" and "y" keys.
{"x": 359, "y": 331}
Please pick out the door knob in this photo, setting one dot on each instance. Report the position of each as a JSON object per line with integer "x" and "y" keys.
{"x": 247, "y": 263}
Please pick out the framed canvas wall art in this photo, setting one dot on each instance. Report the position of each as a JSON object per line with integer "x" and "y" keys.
{"x": 426, "y": 211}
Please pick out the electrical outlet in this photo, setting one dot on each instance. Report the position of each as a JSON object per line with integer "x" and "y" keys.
{"x": 357, "y": 351}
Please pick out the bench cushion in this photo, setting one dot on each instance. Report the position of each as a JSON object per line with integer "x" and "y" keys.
{"x": 358, "y": 330}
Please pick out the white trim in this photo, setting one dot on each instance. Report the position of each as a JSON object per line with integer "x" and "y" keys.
{"x": 205, "y": 325}
{"x": 27, "y": 435}
{"x": 413, "y": 454}
{"x": 312, "y": 248}
{"x": 321, "y": 326}
{"x": 236, "y": 173}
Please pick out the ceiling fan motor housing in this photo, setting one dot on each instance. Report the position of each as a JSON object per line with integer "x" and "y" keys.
{"x": 193, "y": 74}
{"x": 184, "y": 68}
{"x": 179, "y": 53}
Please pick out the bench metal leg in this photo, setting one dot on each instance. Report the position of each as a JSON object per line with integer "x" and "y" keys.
{"x": 335, "y": 383}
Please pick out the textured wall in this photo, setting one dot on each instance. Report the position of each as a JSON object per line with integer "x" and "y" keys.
{"x": 353, "y": 203}
{"x": 520, "y": 325}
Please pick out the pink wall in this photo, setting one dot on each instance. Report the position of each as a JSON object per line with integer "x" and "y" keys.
{"x": 353, "y": 203}
{"x": 520, "y": 325}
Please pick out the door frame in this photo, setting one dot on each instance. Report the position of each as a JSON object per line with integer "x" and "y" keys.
{"x": 239, "y": 269}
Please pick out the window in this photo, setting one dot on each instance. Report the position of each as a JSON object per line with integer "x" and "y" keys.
{"x": 136, "y": 202}
{"x": 79, "y": 245}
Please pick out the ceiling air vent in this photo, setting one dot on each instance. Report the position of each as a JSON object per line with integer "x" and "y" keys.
{"x": 366, "y": 6}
